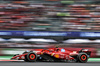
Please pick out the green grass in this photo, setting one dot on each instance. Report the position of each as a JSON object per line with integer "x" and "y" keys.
{"x": 6, "y": 56}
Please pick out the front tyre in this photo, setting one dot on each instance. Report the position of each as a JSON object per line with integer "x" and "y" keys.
{"x": 82, "y": 57}
{"x": 31, "y": 57}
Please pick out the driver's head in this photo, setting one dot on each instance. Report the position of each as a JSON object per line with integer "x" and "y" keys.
{"x": 57, "y": 46}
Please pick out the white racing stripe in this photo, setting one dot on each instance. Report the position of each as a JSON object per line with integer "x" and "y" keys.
{"x": 11, "y": 60}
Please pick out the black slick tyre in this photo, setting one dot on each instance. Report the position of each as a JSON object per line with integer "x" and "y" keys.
{"x": 31, "y": 57}
{"x": 82, "y": 57}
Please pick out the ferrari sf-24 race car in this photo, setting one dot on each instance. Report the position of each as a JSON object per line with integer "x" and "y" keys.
{"x": 54, "y": 54}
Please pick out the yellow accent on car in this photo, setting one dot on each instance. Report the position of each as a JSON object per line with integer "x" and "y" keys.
{"x": 41, "y": 53}
{"x": 52, "y": 54}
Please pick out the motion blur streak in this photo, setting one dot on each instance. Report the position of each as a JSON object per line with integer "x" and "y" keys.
{"x": 77, "y": 20}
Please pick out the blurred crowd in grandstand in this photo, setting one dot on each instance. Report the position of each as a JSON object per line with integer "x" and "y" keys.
{"x": 50, "y": 15}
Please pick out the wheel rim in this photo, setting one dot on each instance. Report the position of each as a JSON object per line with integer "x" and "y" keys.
{"x": 32, "y": 56}
{"x": 83, "y": 57}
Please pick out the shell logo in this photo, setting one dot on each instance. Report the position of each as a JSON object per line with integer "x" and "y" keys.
{"x": 56, "y": 56}
{"x": 41, "y": 53}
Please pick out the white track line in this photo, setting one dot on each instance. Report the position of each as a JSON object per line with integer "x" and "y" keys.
{"x": 7, "y": 59}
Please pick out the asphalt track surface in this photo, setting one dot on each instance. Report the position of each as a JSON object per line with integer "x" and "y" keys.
{"x": 22, "y": 63}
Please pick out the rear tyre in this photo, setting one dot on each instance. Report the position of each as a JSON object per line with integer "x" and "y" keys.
{"x": 30, "y": 57}
{"x": 82, "y": 57}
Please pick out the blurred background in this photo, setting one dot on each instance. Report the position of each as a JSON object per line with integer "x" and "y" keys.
{"x": 34, "y": 24}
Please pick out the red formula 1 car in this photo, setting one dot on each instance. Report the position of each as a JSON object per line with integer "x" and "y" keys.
{"x": 54, "y": 54}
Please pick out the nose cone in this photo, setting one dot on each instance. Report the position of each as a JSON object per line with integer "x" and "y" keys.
{"x": 12, "y": 58}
